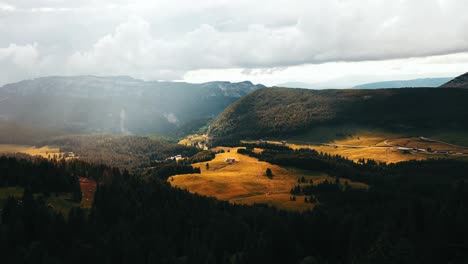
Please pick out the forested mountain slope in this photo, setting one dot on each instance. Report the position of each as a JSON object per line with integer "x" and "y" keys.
{"x": 285, "y": 112}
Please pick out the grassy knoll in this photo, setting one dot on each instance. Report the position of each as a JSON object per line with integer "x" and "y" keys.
{"x": 244, "y": 181}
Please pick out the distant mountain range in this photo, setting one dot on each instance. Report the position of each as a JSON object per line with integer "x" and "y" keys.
{"x": 423, "y": 82}
{"x": 299, "y": 85}
{"x": 459, "y": 82}
{"x": 124, "y": 105}
{"x": 120, "y": 104}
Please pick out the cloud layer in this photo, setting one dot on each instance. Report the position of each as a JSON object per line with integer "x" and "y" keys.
{"x": 168, "y": 39}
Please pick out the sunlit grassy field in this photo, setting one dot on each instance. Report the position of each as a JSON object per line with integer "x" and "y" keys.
{"x": 387, "y": 155}
{"x": 382, "y": 149}
{"x": 357, "y": 143}
{"x": 194, "y": 139}
{"x": 245, "y": 181}
{"x": 377, "y": 145}
{"x": 368, "y": 149}
{"x": 46, "y": 151}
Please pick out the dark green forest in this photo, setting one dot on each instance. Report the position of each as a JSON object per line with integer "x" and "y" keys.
{"x": 413, "y": 212}
{"x": 133, "y": 153}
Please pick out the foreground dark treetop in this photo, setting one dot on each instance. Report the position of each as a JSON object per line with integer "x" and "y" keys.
{"x": 415, "y": 212}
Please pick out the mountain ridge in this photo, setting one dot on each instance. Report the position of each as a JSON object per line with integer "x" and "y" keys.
{"x": 117, "y": 105}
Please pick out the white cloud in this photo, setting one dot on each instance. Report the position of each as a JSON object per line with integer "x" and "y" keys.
{"x": 18, "y": 61}
{"x": 343, "y": 74}
{"x": 172, "y": 39}
{"x": 6, "y": 7}
{"x": 129, "y": 50}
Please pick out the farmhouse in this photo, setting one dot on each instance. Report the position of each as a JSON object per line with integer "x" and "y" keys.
{"x": 176, "y": 157}
{"x": 230, "y": 160}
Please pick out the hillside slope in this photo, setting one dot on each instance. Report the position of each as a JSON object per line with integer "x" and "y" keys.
{"x": 459, "y": 82}
{"x": 286, "y": 112}
{"x": 121, "y": 105}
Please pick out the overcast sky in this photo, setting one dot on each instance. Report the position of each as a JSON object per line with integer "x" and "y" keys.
{"x": 269, "y": 42}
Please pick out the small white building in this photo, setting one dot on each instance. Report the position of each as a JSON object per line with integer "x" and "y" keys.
{"x": 176, "y": 157}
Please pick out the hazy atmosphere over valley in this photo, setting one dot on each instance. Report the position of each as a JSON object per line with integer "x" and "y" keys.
{"x": 216, "y": 131}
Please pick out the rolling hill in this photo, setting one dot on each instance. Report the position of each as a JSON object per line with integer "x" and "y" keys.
{"x": 459, "y": 82}
{"x": 282, "y": 112}
{"x": 118, "y": 105}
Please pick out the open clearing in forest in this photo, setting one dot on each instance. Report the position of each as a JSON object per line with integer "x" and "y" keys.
{"x": 245, "y": 182}
{"x": 88, "y": 188}
{"x": 45, "y": 152}
{"x": 383, "y": 147}
{"x": 60, "y": 202}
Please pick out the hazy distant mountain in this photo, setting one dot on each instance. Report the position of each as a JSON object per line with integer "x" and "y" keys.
{"x": 298, "y": 85}
{"x": 340, "y": 84}
{"x": 459, "y": 82}
{"x": 114, "y": 104}
{"x": 424, "y": 82}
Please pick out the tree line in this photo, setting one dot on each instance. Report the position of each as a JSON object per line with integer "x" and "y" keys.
{"x": 403, "y": 218}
